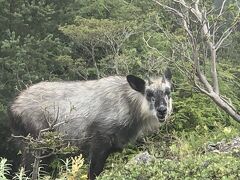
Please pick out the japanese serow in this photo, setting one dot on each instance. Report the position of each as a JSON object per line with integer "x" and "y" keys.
{"x": 100, "y": 115}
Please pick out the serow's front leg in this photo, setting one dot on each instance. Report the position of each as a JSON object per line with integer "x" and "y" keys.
{"x": 97, "y": 160}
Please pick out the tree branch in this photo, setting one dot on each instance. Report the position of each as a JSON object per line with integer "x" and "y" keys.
{"x": 210, "y": 31}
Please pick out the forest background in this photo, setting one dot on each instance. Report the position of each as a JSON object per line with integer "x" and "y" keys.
{"x": 49, "y": 40}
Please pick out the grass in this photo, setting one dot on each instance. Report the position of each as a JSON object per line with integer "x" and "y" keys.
{"x": 179, "y": 155}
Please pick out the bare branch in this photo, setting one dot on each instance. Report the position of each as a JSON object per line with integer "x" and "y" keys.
{"x": 44, "y": 156}
{"x": 201, "y": 89}
{"x": 224, "y": 36}
{"x": 170, "y": 9}
{"x": 210, "y": 31}
{"x": 153, "y": 48}
{"x": 182, "y": 2}
{"x": 228, "y": 102}
{"x": 221, "y": 10}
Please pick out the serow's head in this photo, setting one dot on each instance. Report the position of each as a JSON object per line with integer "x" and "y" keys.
{"x": 157, "y": 92}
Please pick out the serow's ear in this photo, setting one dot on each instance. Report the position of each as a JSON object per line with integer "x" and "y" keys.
{"x": 168, "y": 74}
{"x": 136, "y": 83}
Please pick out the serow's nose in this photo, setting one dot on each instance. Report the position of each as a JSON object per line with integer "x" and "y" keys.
{"x": 161, "y": 112}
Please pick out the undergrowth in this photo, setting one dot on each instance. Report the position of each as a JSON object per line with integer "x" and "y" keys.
{"x": 180, "y": 148}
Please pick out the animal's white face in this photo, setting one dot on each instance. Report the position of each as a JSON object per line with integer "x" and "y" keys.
{"x": 157, "y": 93}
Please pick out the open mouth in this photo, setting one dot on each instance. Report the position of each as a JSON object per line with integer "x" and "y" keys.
{"x": 161, "y": 118}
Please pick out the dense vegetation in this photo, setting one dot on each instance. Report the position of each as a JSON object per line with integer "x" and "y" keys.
{"x": 82, "y": 39}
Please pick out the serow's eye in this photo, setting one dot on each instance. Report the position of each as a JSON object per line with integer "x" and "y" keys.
{"x": 153, "y": 99}
{"x": 167, "y": 92}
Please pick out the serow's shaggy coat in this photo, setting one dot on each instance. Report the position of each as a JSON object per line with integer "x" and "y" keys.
{"x": 100, "y": 115}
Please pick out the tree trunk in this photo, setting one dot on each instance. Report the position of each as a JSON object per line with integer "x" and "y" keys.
{"x": 214, "y": 71}
{"x": 225, "y": 106}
